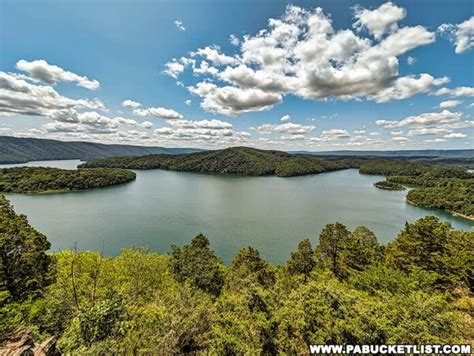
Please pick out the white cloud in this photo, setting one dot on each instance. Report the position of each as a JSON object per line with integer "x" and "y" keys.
{"x": 462, "y": 35}
{"x": 434, "y": 118}
{"x": 146, "y": 124}
{"x": 177, "y": 66}
{"x": 302, "y": 54}
{"x": 164, "y": 113}
{"x": 188, "y": 102}
{"x": 285, "y": 118}
{"x": 52, "y": 74}
{"x": 411, "y": 60}
{"x": 287, "y": 128}
{"x": 379, "y": 21}
{"x": 436, "y": 140}
{"x": 400, "y": 139}
{"x": 435, "y": 123}
{"x": 130, "y": 104}
{"x": 211, "y": 53}
{"x": 232, "y": 101}
{"x": 455, "y": 135}
{"x": 201, "y": 131}
{"x": 455, "y": 92}
{"x": 17, "y": 96}
{"x": 408, "y": 86}
{"x": 335, "y": 134}
{"x": 179, "y": 24}
{"x": 448, "y": 104}
{"x": 234, "y": 40}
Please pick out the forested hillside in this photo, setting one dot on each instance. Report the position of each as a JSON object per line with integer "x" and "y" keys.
{"x": 347, "y": 289}
{"x": 19, "y": 150}
{"x": 234, "y": 160}
{"x": 50, "y": 180}
{"x": 441, "y": 187}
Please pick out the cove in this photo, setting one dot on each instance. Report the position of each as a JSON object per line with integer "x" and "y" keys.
{"x": 271, "y": 214}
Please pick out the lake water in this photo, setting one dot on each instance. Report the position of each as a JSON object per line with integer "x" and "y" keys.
{"x": 270, "y": 213}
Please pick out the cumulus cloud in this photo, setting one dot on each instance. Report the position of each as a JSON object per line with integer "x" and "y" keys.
{"x": 455, "y": 92}
{"x": 146, "y": 124}
{"x": 462, "y": 35}
{"x": 287, "y": 128}
{"x": 448, "y": 104}
{"x": 234, "y": 40}
{"x": 379, "y": 21}
{"x": 455, "y": 135}
{"x": 285, "y": 118}
{"x": 408, "y": 86}
{"x": 179, "y": 24}
{"x": 302, "y": 54}
{"x": 203, "y": 131}
{"x": 18, "y": 96}
{"x": 411, "y": 60}
{"x": 130, "y": 104}
{"x": 435, "y": 123}
{"x": 164, "y": 113}
{"x": 335, "y": 134}
{"x": 212, "y": 54}
{"x": 52, "y": 74}
{"x": 232, "y": 101}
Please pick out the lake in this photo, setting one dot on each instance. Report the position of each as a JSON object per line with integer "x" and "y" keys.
{"x": 270, "y": 213}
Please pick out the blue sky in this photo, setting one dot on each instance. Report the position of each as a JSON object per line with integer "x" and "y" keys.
{"x": 313, "y": 75}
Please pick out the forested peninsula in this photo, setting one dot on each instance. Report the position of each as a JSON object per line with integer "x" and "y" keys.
{"x": 348, "y": 288}
{"x": 235, "y": 160}
{"x": 439, "y": 186}
{"x": 53, "y": 180}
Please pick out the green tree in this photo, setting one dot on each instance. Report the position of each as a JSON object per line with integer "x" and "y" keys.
{"x": 332, "y": 241}
{"x": 249, "y": 268}
{"x": 199, "y": 265}
{"x": 302, "y": 261}
{"x": 361, "y": 249}
{"x": 25, "y": 268}
{"x": 432, "y": 247}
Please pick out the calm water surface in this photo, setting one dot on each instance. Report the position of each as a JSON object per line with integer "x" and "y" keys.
{"x": 270, "y": 213}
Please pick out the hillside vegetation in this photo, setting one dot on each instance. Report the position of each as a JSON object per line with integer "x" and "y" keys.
{"x": 441, "y": 187}
{"x": 42, "y": 179}
{"x": 451, "y": 187}
{"x": 349, "y": 289}
{"x": 20, "y": 150}
{"x": 235, "y": 160}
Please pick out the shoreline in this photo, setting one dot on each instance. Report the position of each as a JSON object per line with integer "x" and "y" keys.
{"x": 467, "y": 217}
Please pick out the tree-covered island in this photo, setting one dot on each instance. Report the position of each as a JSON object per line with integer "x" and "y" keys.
{"x": 387, "y": 185}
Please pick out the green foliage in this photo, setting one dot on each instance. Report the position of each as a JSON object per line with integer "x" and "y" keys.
{"x": 453, "y": 187}
{"x": 442, "y": 187}
{"x": 24, "y": 264}
{"x": 332, "y": 241}
{"x": 434, "y": 248}
{"x": 198, "y": 265}
{"x": 384, "y": 184}
{"x": 303, "y": 260}
{"x": 249, "y": 269}
{"x": 415, "y": 291}
{"x": 24, "y": 149}
{"x": 235, "y": 160}
{"x": 457, "y": 196}
{"x": 42, "y": 179}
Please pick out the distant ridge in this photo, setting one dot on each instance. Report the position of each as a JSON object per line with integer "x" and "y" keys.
{"x": 21, "y": 150}
{"x": 399, "y": 153}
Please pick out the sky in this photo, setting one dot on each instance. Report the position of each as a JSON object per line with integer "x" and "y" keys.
{"x": 302, "y": 75}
